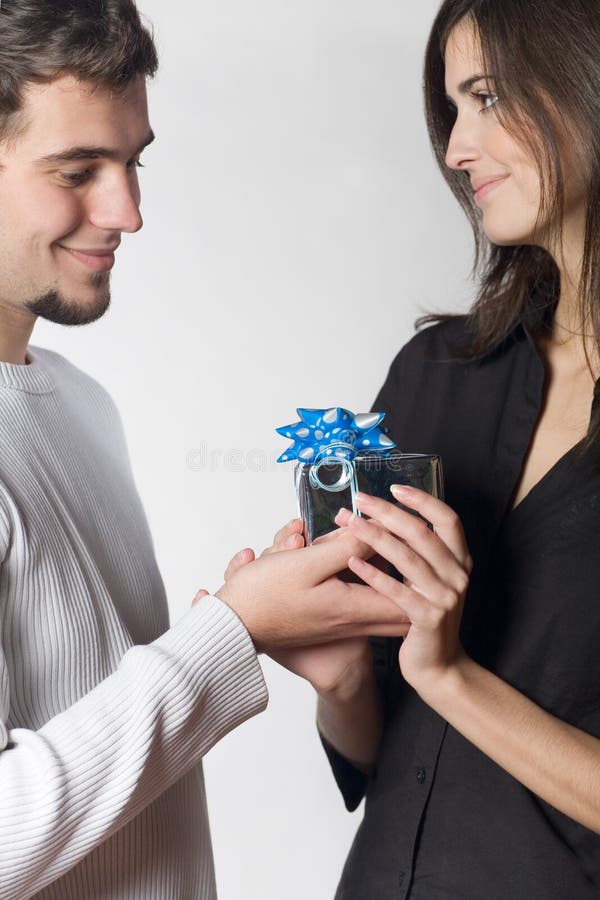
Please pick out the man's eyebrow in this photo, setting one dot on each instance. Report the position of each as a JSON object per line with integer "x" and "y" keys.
{"x": 465, "y": 86}
{"x": 74, "y": 154}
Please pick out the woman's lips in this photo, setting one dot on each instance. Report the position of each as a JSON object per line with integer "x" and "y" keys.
{"x": 98, "y": 260}
{"x": 488, "y": 187}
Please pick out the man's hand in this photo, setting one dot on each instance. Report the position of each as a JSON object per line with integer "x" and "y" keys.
{"x": 335, "y": 667}
{"x": 289, "y": 537}
{"x": 292, "y": 597}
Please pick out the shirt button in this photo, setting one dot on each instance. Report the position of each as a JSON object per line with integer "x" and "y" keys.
{"x": 421, "y": 775}
{"x": 400, "y": 879}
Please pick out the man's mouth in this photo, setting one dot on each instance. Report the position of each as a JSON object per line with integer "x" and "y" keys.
{"x": 99, "y": 260}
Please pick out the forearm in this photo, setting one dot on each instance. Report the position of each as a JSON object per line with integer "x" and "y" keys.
{"x": 69, "y": 786}
{"x": 351, "y": 719}
{"x": 558, "y": 762}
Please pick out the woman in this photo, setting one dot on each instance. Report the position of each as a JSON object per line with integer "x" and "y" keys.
{"x": 477, "y": 739}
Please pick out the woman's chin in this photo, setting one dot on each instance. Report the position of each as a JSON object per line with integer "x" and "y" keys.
{"x": 503, "y": 238}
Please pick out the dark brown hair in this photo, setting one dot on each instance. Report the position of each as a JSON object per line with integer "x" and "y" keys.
{"x": 99, "y": 41}
{"x": 544, "y": 60}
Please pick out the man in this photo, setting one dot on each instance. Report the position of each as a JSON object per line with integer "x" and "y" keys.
{"x": 105, "y": 710}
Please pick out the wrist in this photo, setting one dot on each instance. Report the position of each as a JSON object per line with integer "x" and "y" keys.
{"x": 440, "y": 687}
{"x": 356, "y": 679}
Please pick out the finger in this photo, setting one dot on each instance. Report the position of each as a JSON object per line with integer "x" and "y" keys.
{"x": 444, "y": 589}
{"x": 343, "y": 517}
{"x": 240, "y": 560}
{"x": 445, "y": 521}
{"x": 201, "y": 593}
{"x": 431, "y": 568}
{"x": 363, "y": 610}
{"x": 294, "y": 526}
{"x": 314, "y": 564}
{"x": 415, "y": 531}
{"x": 409, "y": 563}
{"x": 413, "y": 604}
{"x": 333, "y": 535}
{"x": 287, "y": 536}
{"x": 292, "y": 542}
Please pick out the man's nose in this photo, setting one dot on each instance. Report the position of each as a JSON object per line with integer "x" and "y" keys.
{"x": 115, "y": 206}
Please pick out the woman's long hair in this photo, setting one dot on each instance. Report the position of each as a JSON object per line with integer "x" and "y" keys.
{"x": 544, "y": 58}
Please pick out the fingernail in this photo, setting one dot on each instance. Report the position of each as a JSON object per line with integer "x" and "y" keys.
{"x": 291, "y": 541}
{"x": 363, "y": 499}
{"x": 401, "y": 490}
{"x": 356, "y": 520}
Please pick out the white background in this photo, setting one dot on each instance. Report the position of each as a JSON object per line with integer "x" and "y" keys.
{"x": 295, "y": 226}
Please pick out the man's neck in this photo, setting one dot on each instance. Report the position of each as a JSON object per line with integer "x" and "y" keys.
{"x": 16, "y": 326}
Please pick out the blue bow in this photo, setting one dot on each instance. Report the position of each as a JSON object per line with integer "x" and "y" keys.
{"x": 336, "y": 432}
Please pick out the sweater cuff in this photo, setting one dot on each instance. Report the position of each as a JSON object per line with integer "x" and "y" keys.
{"x": 216, "y": 652}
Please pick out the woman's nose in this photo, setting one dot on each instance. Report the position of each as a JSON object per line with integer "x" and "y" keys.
{"x": 463, "y": 146}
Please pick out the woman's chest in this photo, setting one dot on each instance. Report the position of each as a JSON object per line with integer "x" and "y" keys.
{"x": 533, "y": 614}
{"x": 562, "y": 423}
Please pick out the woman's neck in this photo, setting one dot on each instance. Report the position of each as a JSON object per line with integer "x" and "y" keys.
{"x": 567, "y": 252}
{"x": 572, "y": 342}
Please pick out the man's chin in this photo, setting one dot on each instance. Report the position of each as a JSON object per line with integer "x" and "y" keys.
{"x": 53, "y": 307}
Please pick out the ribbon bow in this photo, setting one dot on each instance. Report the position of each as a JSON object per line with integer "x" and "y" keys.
{"x": 324, "y": 433}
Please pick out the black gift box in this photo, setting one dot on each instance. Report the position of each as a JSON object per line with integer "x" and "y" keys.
{"x": 323, "y": 488}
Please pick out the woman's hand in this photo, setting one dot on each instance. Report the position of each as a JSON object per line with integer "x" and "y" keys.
{"x": 436, "y": 566}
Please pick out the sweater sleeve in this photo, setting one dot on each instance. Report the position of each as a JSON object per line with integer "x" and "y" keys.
{"x": 88, "y": 771}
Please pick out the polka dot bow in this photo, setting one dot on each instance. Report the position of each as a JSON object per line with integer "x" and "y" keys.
{"x": 336, "y": 432}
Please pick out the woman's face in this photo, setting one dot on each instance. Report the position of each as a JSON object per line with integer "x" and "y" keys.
{"x": 504, "y": 177}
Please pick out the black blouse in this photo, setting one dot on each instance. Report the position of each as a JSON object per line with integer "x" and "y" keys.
{"x": 442, "y": 821}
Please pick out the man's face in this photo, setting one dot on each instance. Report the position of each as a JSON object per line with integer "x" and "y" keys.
{"x": 68, "y": 189}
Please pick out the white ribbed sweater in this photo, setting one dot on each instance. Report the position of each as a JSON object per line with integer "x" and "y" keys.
{"x": 105, "y": 711}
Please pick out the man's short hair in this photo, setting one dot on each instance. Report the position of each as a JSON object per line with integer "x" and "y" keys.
{"x": 102, "y": 42}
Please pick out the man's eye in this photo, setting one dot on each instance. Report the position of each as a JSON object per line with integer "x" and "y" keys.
{"x": 136, "y": 164}
{"x": 75, "y": 178}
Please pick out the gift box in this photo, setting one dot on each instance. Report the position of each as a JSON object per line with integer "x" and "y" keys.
{"x": 338, "y": 454}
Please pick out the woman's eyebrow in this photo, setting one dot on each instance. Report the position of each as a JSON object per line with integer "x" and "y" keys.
{"x": 465, "y": 86}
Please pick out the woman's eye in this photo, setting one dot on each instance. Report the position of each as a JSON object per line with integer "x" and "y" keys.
{"x": 487, "y": 99}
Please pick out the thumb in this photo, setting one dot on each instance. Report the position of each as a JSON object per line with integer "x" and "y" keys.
{"x": 201, "y": 593}
{"x": 240, "y": 560}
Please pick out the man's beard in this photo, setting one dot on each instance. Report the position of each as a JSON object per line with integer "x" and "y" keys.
{"x": 53, "y": 307}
